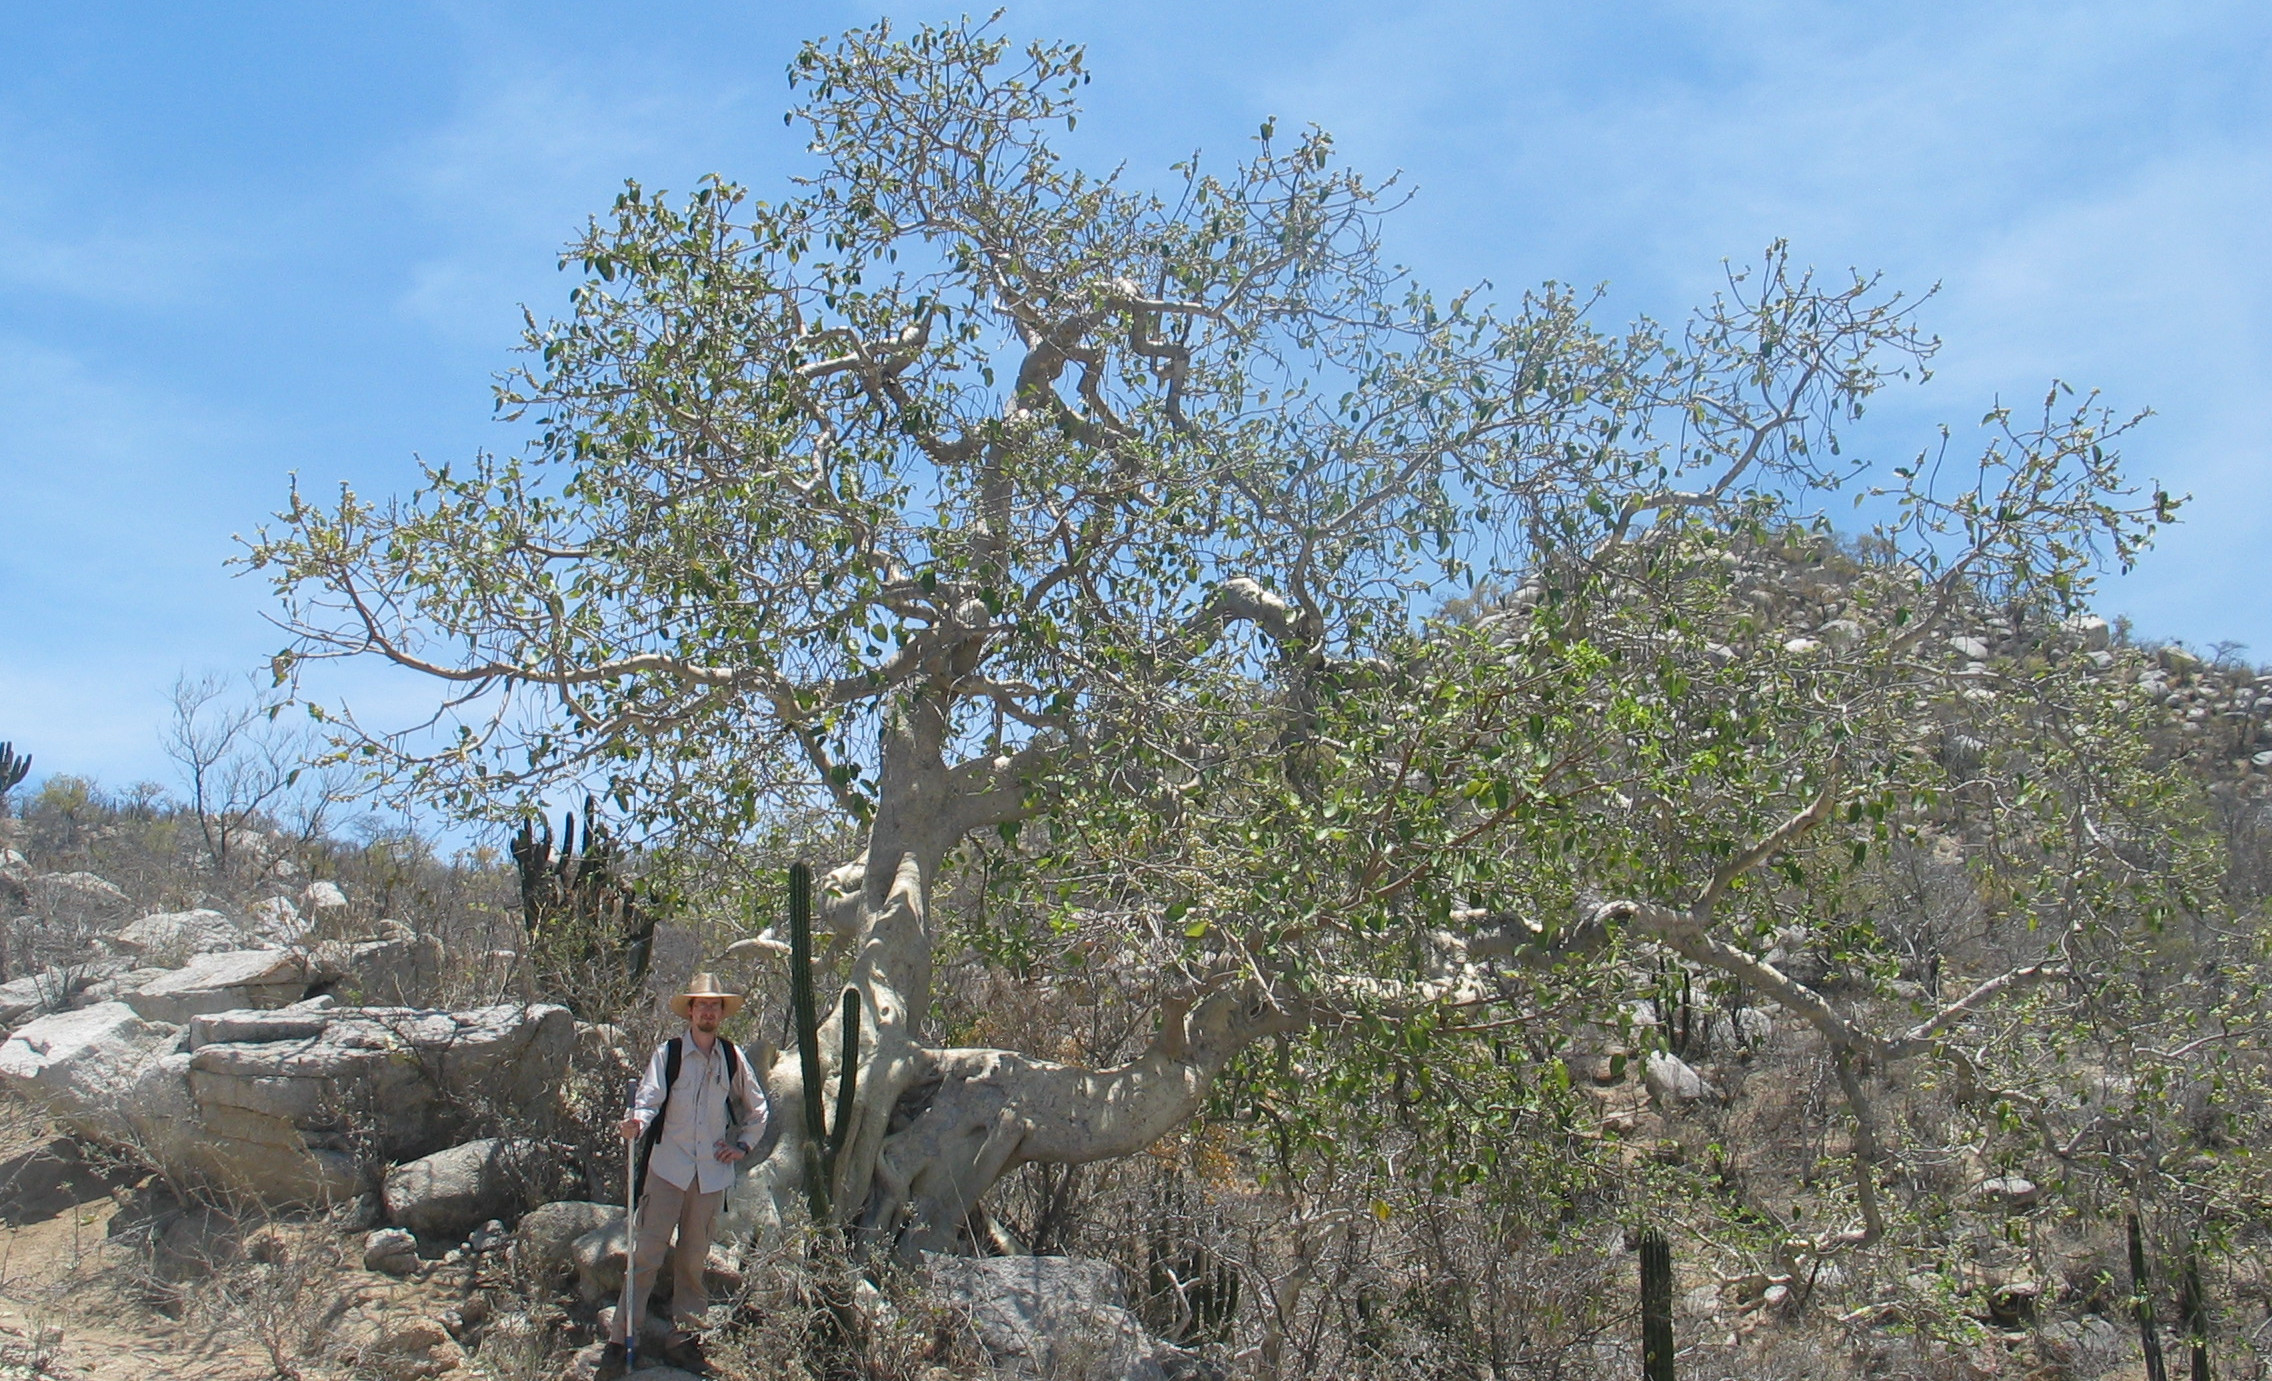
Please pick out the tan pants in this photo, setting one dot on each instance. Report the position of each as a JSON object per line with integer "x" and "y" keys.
{"x": 663, "y": 1207}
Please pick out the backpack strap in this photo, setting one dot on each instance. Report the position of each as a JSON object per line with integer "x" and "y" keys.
{"x": 654, "y": 1135}
{"x": 733, "y": 1076}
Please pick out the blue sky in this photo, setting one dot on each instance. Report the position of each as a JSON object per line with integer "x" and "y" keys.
{"x": 240, "y": 242}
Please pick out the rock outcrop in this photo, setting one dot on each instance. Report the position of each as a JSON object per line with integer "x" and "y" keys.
{"x": 276, "y": 921}
{"x": 50, "y": 990}
{"x": 396, "y": 968}
{"x": 177, "y": 936}
{"x": 15, "y": 882}
{"x": 1672, "y": 1081}
{"x": 84, "y": 1063}
{"x": 287, "y": 1106}
{"x": 391, "y": 1251}
{"x": 229, "y": 980}
{"x": 544, "y": 1241}
{"x": 1048, "y": 1316}
{"x": 450, "y": 1193}
{"x": 80, "y": 899}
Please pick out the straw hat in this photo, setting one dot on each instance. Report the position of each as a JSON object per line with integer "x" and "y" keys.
{"x": 705, "y": 985}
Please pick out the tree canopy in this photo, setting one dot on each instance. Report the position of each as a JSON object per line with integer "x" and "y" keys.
{"x": 1161, "y": 563}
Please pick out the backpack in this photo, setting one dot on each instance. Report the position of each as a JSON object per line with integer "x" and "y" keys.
{"x": 673, "y": 1051}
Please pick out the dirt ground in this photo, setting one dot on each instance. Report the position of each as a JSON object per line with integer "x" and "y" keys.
{"x": 63, "y": 1310}
{"x": 103, "y": 1277}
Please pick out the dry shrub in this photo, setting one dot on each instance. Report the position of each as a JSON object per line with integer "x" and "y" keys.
{"x": 32, "y": 1350}
{"x": 282, "y": 1292}
{"x": 234, "y": 1271}
{"x": 528, "y": 1344}
{"x": 814, "y": 1315}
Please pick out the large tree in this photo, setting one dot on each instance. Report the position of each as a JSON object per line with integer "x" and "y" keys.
{"x": 995, "y": 503}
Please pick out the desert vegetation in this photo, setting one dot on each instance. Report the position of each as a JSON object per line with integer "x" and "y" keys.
{"x": 1351, "y": 807}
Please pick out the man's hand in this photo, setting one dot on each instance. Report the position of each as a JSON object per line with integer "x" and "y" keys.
{"x": 630, "y": 1128}
{"x": 729, "y": 1152}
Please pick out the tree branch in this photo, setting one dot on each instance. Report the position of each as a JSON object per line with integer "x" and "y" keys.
{"x": 1684, "y": 932}
{"x": 1243, "y": 600}
{"x": 1783, "y": 836}
{"x": 1922, "y": 1037}
{"x": 997, "y": 791}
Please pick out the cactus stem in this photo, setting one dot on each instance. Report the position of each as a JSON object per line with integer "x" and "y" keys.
{"x": 808, "y": 1035}
{"x": 847, "y": 1082}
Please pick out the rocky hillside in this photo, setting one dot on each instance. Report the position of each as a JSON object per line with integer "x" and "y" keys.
{"x": 281, "y": 1071}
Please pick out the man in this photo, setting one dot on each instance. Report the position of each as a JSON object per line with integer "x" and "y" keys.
{"x": 697, "y": 1112}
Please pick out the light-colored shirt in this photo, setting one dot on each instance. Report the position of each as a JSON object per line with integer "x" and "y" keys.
{"x": 698, "y": 1120}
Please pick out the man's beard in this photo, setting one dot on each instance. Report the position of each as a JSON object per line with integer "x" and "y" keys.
{"x": 706, "y": 1022}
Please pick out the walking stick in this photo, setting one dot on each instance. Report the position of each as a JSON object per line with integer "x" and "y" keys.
{"x": 630, "y": 1246}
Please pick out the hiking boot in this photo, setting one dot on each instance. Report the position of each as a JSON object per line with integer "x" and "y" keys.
{"x": 684, "y": 1351}
{"x": 611, "y": 1364}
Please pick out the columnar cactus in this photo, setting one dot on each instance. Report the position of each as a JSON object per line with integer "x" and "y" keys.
{"x": 2142, "y": 1303}
{"x": 576, "y": 904}
{"x": 826, "y": 1142}
{"x": 847, "y": 1082}
{"x": 13, "y": 770}
{"x": 1684, "y": 1035}
{"x": 807, "y": 1021}
{"x": 1193, "y": 1289}
{"x": 1656, "y": 1307}
{"x": 2193, "y": 1305}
